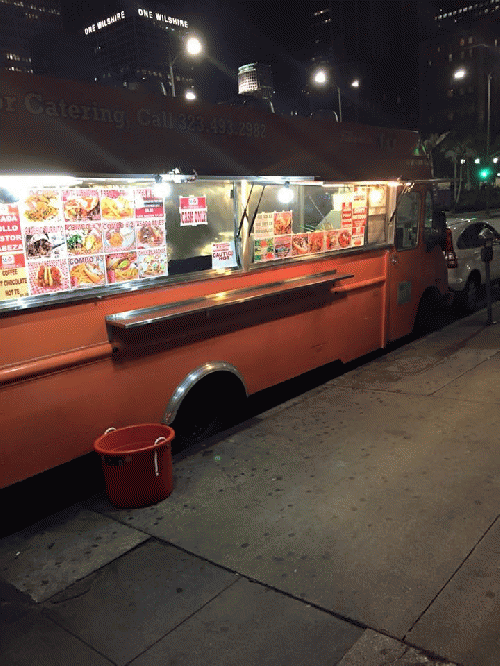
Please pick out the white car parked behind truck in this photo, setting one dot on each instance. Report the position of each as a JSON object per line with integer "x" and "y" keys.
{"x": 466, "y": 270}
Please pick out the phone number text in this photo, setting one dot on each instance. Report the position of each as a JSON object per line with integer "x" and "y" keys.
{"x": 183, "y": 122}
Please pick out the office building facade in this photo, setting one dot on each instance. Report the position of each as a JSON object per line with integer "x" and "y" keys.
{"x": 459, "y": 69}
{"x": 24, "y": 24}
{"x": 140, "y": 47}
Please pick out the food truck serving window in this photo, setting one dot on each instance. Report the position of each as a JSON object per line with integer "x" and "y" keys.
{"x": 296, "y": 220}
{"x": 97, "y": 233}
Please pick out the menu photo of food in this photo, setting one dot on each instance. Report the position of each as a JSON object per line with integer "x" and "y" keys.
{"x": 82, "y": 204}
{"x": 345, "y": 239}
{"x": 153, "y": 263}
{"x": 45, "y": 241}
{"x": 283, "y": 246}
{"x": 332, "y": 239}
{"x": 263, "y": 249}
{"x": 41, "y": 206}
{"x": 283, "y": 223}
{"x": 150, "y": 233}
{"x": 316, "y": 241}
{"x": 48, "y": 276}
{"x": 86, "y": 272}
{"x": 118, "y": 236}
{"x": 117, "y": 204}
{"x": 122, "y": 267}
{"x": 300, "y": 244}
{"x": 83, "y": 238}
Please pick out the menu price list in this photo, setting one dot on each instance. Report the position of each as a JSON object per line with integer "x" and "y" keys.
{"x": 56, "y": 240}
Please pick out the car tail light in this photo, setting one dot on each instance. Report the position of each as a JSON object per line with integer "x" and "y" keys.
{"x": 449, "y": 251}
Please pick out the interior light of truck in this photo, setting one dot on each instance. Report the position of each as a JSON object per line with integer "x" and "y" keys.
{"x": 375, "y": 196}
{"x": 285, "y": 194}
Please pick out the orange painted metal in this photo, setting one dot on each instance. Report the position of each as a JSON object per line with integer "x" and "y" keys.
{"x": 70, "y": 404}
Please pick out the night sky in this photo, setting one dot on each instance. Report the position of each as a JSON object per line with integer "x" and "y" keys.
{"x": 244, "y": 31}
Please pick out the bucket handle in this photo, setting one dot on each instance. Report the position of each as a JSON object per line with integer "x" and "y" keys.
{"x": 155, "y": 457}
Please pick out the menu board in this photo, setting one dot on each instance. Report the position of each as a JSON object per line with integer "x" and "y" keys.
{"x": 274, "y": 237}
{"x": 59, "y": 240}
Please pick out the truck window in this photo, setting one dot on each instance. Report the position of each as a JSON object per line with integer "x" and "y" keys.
{"x": 316, "y": 218}
{"x": 407, "y": 217}
{"x": 190, "y": 235}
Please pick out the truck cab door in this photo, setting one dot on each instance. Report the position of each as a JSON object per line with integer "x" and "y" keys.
{"x": 405, "y": 265}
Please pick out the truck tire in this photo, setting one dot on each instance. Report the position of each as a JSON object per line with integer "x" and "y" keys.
{"x": 469, "y": 299}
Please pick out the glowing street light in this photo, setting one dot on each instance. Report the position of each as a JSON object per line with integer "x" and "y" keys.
{"x": 193, "y": 47}
{"x": 320, "y": 77}
{"x": 355, "y": 83}
{"x": 190, "y": 94}
{"x": 459, "y": 73}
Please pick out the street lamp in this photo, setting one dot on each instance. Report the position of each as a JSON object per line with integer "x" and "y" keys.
{"x": 193, "y": 47}
{"x": 321, "y": 78}
{"x": 461, "y": 73}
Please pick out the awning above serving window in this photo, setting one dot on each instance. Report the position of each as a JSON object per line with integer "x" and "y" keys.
{"x": 52, "y": 126}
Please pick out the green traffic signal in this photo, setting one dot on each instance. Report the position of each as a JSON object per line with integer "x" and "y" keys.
{"x": 484, "y": 173}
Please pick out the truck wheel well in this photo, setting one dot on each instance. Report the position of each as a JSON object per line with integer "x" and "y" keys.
{"x": 209, "y": 404}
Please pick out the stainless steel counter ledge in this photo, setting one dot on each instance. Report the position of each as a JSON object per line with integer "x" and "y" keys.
{"x": 156, "y": 314}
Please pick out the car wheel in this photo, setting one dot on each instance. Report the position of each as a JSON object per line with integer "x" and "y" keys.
{"x": 470, "y": 296}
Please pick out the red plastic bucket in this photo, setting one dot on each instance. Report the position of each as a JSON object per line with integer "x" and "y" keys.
{"x": 137, "y": 464}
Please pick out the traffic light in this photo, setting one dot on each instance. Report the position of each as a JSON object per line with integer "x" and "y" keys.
{"x": 485, "y": 173}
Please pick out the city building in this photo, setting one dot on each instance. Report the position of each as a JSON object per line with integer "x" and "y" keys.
{"x": 256, "y": 80}
{"x": 24, "y": 24}
{"x": 459, "y": 68}
{"x": 373, "y": 45}
{"x": 140, "y": 47}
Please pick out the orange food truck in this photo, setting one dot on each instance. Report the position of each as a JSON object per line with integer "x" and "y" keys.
{"x": 162, "y": 259}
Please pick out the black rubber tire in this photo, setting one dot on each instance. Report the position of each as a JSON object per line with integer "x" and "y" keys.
{"x": 427, "y": 314}
{"x": 469, "y": 299}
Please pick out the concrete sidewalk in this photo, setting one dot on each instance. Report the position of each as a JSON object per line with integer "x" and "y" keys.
{"x": 356, "y": 525}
